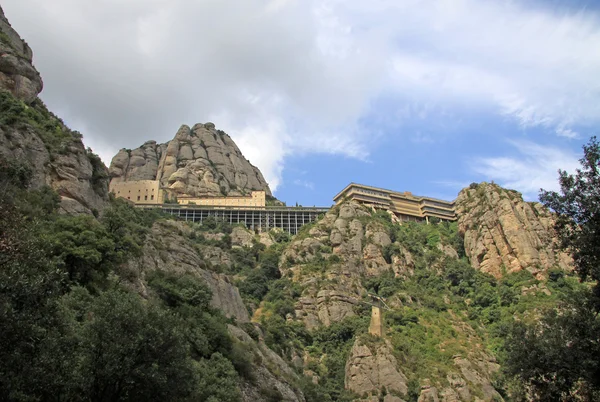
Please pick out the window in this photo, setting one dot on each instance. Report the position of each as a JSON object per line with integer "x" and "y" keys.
{"x": 145, "y": 198}
{"x": 138, "y": 198}
{"x": 152, "y": 197}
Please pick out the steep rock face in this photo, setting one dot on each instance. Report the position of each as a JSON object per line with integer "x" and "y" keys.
{"x": 168, "y": 249}
{"x": 503, "y": 233}
{"x": 17, "y": 73}
{"x": 200, "y": 161}
{"x": 370, "y": 369}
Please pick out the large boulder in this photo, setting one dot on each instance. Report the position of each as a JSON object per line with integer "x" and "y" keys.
{"x": 505, "y": 234}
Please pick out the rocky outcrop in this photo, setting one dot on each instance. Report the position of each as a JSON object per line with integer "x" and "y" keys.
{"x": 503, "y": 233}
{"x": 75, "y": 174}
{"x": 372, "y": 368}
{"x": 200, "y": 161}
{"x": 17, "y": 73}
{"x": 168, "y": 248}
{"x": 331, "y": 258}
{"x": 327, "y": 262}
{"x": 139, "y": 164}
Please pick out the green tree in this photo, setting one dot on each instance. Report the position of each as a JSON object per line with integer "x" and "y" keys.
{"x": 578, "y": 209}
{"x": 126, "y": 349}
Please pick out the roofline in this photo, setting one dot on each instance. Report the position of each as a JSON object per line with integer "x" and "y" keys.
{"x": 338, "y": 195}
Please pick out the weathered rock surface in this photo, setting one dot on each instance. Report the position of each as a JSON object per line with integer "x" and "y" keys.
{"x": 139, "y": 164}
{"x": 70, "y": 173}
{"x": 334, "y": 247}
{"x": 505, "y": 234}
{"x": 168, "y": 248}
{"x": 17, "y": 73}
{"x": 371, "y": 368}
{"x": 199, "y": 161}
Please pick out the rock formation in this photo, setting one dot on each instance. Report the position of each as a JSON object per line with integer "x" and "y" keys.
{"x": 370, "y": 369}
{"x": 503, "y": 233}
{"x": 200, "y": 161}
{"x": 17, "y": 73}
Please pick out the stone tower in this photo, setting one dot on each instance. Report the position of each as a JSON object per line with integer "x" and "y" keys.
{"x": 376, "y": 327}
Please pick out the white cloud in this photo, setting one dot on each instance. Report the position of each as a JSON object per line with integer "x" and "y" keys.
{"x": 292, "y": 76}
{"x": 535, "y": 166}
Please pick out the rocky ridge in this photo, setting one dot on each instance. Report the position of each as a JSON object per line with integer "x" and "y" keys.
{"x": 503, "y": 234}
{"x": 17, "y": 73}
{"x": 200, "y": 161}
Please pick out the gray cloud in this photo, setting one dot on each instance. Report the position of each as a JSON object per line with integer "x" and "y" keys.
{"x": 289, "y": 76}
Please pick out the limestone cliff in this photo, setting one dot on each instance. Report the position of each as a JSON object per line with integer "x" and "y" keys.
{"x": 502, "y": 233}
{"x": 200, "y": 161}
{"x": 30, "y": 134}
{"x": 17, "y": 73}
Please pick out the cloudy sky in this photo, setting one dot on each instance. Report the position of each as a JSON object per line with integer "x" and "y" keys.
{"x": 419, "y": 95}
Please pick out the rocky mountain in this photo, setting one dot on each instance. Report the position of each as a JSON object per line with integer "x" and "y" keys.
{"x": 505, "y": 234}
{"x": 31, "y": 134}
{"x": 199, "y": 161}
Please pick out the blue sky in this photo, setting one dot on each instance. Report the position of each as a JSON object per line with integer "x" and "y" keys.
{"x": 420, "y": 95}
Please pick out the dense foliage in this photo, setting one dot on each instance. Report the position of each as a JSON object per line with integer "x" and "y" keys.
{"x": 70, "y": 331}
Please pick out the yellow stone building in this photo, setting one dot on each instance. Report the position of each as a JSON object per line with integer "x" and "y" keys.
{"x": 139, "y": 191}
{"x": 405, "y": 206}
{"x": 255, "y": 199}
{"x": 150, "y": 192}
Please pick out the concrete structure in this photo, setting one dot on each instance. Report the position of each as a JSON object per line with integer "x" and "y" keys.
{"x": 139, "y": 192}
{"x": 149, "y": 192}
{"x": 406, "y": 206}
{"x": 259, "y": 219}
{"x": 255, "y": 199}
{"x": 376, "y": 326}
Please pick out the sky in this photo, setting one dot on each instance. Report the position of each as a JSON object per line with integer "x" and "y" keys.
{"x": 425, "y": 96}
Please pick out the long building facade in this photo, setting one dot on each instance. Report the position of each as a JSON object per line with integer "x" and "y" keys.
{"x": 149, "y": 192}
{"x": 405, "y": 205}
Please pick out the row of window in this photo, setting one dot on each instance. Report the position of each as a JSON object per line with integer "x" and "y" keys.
{"x": 145, "y": 198}
{"x": 362, "y": 190}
